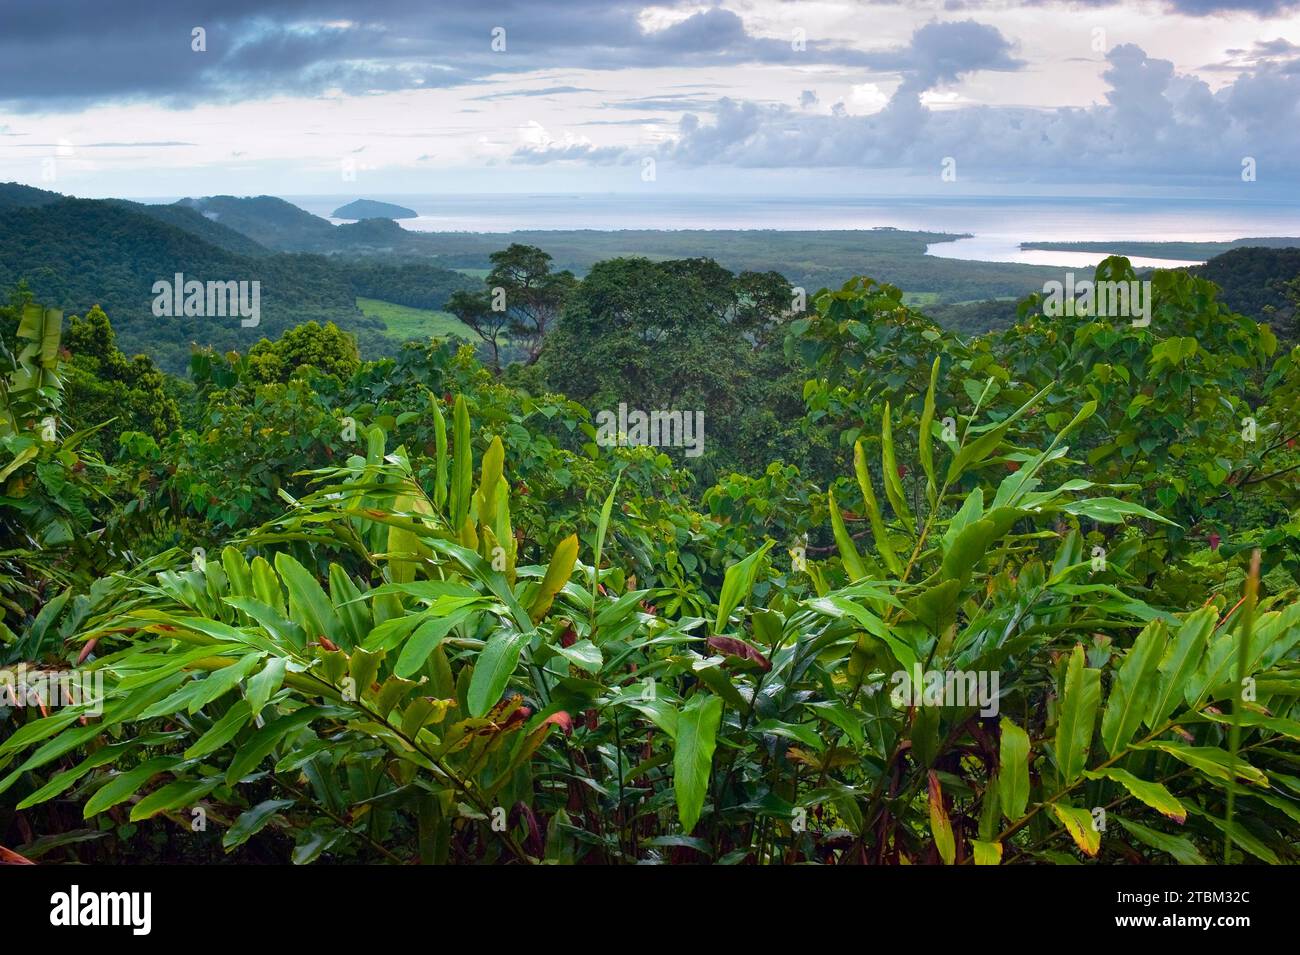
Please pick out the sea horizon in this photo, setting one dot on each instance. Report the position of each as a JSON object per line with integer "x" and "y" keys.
{"x": 982, "y": 228}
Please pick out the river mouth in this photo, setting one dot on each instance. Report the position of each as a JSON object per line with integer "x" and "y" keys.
{"x": 1004, "y": 248}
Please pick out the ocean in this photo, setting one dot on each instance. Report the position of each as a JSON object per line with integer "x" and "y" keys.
{"x": 996, "y": 225}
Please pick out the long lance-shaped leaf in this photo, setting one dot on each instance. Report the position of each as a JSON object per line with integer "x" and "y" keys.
{"x": 1245, "y": 626}
{"x": 940, "y": 824}
{"x": 878, "y": 533}
{"x": 558, "y": 572}
{"x": 987, "y": 443}
{"x": 440, "y": 446}
{"x": 1181, "y": 659}
{"x": 462, "y": 472}
{"x": 312, "y": 608}
{"x": 492, "y": 468}
{"x": 848, "y": 552}
{"x": 1133, "y": 687}
{"x": 1024, "y": 478}
{"x": 889, "y": 468}
{"x": 737, "y": 584}
{"x": 1153, "y": 794}
{"x": 1013, "y": 770}
{"x": 482, "y": 571}
{"x": 492, "y": 670}
{"x": 1078, "y": 713}
{"x": 926, "y": 439}
{"x": 697, "y": 737}
{"x": 602, "y": 527}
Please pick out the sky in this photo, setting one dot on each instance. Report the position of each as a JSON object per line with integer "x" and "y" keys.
{"x": 743, "y": 97}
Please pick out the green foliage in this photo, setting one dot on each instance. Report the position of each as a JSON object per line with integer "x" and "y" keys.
{"x": 980, "y": 620}
{"x": 325, "y": 349}
{"x": 103, "y": 385}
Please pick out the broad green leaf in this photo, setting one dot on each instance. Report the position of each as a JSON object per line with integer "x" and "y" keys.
{"x": 1213, "y": 762}
{"x": 737, "y": 585}
{"x": 844, "y": 541}
{"x": 220, "y": 682}
{"x": 878, "y": 531}
{"x": 1078, "y": 713}
{"x": 1013, "y": 770}
{"x": 259, "y": 745}
{"x": 222, "y": 731}
{"x": 558, "y": 572}
{"x": 427, "y": 636}
{"x": 1079, "y": 823}
{"x": 123, "y": 786}
{"x": 968, "y": 549}
{"x": 926, "y": 438}
{"x": 602, "y": 527}
{"x": 1180, "y": 848}
{"x": 987, "y": 853}
{"x": 1110, "y": 510}
{"x": 984, "y": 445}
{"x": 264, "y": 684}
{"x": 841, "y": 716}
{"x": 697, "y": 735}
{"x": 180, "y": 794}
{"x": 1153, "y": 794}
{"x": 440, "y": 445}
{"x": 971, "y": 510}
{"x": 1132, "y": 689}
{"x": 493, "y": 668}
{"x": 1182, "y": 657}
{"x": 253, "y": 821}
{"x": 584, "y": 654}
{"x": 462, "y": 465}
{"x": 889, "y": 470}
{"x": 308, "y": 603}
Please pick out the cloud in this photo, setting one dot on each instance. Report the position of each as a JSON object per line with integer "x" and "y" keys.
{"x": 545, "y": 91}
{"x": 942, "y": 52}
{"x": 1279, "y": 53}
{"x": 539, "y": 147}
{"x": 65, "y": 54}
{"x": 1156, "y": 126}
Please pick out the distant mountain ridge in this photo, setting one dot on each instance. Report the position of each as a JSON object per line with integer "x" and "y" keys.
{"x": 77, "y": 253}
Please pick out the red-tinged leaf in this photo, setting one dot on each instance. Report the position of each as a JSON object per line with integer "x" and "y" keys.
{"x": 9, "y": 857}
{"x": 516, "y": 718}
{"x": 561, "y": 719}
{"x": 732, "y": 647}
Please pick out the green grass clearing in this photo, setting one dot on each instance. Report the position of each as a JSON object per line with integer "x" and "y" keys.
{"x": 404, "y": 323}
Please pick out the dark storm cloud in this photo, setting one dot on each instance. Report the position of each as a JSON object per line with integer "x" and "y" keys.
{"x": 68, "y": 53}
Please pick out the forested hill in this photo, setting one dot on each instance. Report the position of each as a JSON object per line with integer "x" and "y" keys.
{"x": 77, "y": 253}
{"x": 1259, "y": 282}
{"x": 15, "y": 195}
{"x": 269, "y": 221}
